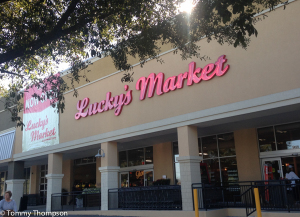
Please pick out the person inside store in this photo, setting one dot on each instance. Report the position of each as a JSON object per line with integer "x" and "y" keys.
{"x": 290, "y": 175}
{"x": 8, "y": 205}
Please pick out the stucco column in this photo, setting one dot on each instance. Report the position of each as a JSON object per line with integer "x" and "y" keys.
{"x": 16, "y": 187}
{"x": 54, "y": 179}
{"x": 109, "y": 172}
{"x": 15, "y": 180}
{"x": 247, "y": 154}
{"x": 189, "y": 161}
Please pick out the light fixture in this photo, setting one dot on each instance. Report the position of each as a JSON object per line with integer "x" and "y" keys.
{"x": 99, "y": 155}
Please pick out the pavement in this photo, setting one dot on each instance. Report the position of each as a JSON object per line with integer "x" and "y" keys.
{"x": 42, "y": 210}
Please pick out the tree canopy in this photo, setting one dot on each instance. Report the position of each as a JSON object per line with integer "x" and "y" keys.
{"x": 37, "y": 35}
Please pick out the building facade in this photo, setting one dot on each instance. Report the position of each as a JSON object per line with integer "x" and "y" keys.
{"x": 230, "y": 116}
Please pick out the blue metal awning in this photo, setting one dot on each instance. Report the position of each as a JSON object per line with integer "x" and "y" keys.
{"x": 6, "y": 144}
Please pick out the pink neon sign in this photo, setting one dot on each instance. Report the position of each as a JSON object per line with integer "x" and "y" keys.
{"x": 194, "y": 75}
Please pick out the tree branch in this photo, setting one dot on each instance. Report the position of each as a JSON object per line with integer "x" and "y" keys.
{"x": 55, "y": 34}
{"x": 11, "y": 73}
{"x": 12, "y": 54}
{"x": 3, "y": 1}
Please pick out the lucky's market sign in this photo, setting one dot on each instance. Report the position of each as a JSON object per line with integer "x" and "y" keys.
{"x": 40, "y": 118}
{"x": 193, "y": 76}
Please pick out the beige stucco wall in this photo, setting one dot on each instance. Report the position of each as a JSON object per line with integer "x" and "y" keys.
{"x": 163, "y": 161}
{"x": 268, "y": 66}
{"x": 18, "y": 138}
{"x": 34, "y": 179}
{"x": 55, "y": 163}
{"x": 247, "y": 154}
{"x": 67, "y": 170}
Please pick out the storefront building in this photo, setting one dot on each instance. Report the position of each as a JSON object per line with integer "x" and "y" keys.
{"x": 230, "y": 116}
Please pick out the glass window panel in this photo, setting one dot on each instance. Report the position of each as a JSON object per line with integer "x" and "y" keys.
{"x": 77, "y": 161}
{"x": 209, "y": 147}
{"x": 266, "y": 139}
{"x": 213, "y": 170}
{"x": 136, "y": 157}
{"x": 42, "y": 187}
{"x": 1, "y": 188}
{"x": 43, "y": 167}
{"x": 177, "y": 174}
{"x": 226, "y": 145}
{"x": 149, "y": 155}
{"x": 175, "y": 151}
{"x": 288, "y": 136}
{"x": 42, "y": 174}
{"x": 229, "y": 169}
{"x": 199, "y": 147}
{"x": 122, "y": 159}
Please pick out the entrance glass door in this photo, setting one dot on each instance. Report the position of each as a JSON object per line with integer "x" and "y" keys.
{"x": 124, "y": 180}
{"x": 272, "y": 169}
{"x": 149, "y": 177}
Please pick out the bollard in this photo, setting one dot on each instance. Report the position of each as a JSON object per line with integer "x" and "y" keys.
{"x": 257, "y": 202}
{"x": 196, "y": 203}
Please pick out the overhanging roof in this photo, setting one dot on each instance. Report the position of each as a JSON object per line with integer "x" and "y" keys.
{"x": 6, "y": 144}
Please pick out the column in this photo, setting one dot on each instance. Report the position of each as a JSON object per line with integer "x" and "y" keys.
{"x": 189, "y": 161}
{"x": 54, "y": 180}
{"x": 247, "y": 154}
{"x": 109, "y": 173}
{"x": 15, "y": 180}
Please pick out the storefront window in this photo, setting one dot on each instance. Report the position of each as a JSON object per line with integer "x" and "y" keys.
{"x": 209, "y": 147}
{"x": 85, "y": 160}
{"x": 288, "y": 136}
{"x": 123, "y": 159}
{"x": 3, "y": 176}
{"x": 176, "y": 164}
{"x": 219, "y": 164}
{"x": 43, "y": 184}
{"x": 136, "y": 157}
{"x": 27, "y": 180}
{"x": 213, "y": 170}
{"x": 149, "y": 155}
{"x": 266, "y": 139}
{"x": 226, "y": 145}
{"x": 229, "y": 169}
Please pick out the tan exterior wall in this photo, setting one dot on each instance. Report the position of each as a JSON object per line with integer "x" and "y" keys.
{"x": 67, "y": 170}
{"x": 111, "y": 154}
{"x": 18, "y": 138}
{"x": 268, "y": 66}
{"x": 247, "y": 154}
{"x": 98, "y": 174}
{"x": 55, "y": 163}
{"x": 105, "y": 67}
{"x": 163, "y": 161}
{"x": 34, "y": 179}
